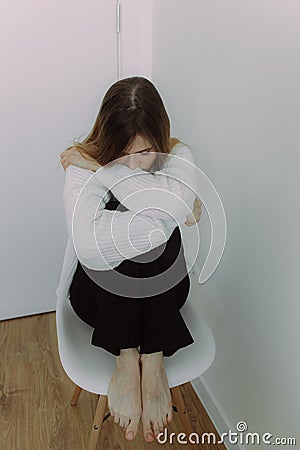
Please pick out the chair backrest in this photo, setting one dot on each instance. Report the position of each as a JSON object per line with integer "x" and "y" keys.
{"x": 91, "y": 367}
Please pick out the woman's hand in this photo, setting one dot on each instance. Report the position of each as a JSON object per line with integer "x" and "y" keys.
{"x": 194, "y": 217}
{"x": 74, "y": 157}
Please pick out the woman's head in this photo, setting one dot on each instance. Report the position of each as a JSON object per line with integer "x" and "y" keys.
{"x": 132, "y": 113}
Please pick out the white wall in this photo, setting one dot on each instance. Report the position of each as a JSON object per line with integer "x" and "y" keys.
{"x": 229, "y": 75}
{"x": 136, "y": 38}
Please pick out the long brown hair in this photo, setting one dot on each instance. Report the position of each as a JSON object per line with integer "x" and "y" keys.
{"x": 131, "y": 106}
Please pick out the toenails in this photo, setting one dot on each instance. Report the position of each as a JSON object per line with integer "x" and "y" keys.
{"x": 132, "y": 428}
{"x": 130, "y": 435}
{"x": 149, "y": 437}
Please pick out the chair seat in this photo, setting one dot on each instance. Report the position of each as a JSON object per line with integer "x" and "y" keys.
{"x": 91, "y": 367}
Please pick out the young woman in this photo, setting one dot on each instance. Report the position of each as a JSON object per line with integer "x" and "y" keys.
{"x": 132, "y": 130}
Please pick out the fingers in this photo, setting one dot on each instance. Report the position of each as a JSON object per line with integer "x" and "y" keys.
{"x": 197, "y": 212}
{"x": 192, "y": 219}
{"x": 65, "y": 157}
{"x": 64, "y": 162}
{"x": 198, "y": 201}
{"x": 67, "y": 152}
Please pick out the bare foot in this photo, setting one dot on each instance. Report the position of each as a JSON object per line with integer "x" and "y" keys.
{"x": 156, "y": 396}
{"x": 124, "y": 394}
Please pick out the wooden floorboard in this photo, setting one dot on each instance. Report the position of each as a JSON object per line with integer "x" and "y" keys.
{"x": 35, "y": 394}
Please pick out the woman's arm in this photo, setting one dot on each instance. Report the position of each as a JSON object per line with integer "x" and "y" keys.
{"x": 167, "y": 194}
{"x": 75, "y": 180}
{"x": 103, "y": 239}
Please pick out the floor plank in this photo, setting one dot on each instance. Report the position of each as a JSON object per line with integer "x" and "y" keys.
{"x": 35, "y": 394}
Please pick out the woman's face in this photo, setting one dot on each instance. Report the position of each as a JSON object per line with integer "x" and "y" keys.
{"x": 139, "y": 154}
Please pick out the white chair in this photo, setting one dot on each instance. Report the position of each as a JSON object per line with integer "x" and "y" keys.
{"x": 91, "y": 368}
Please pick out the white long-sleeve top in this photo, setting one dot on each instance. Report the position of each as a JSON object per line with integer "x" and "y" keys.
{"x": 157, "y": 202}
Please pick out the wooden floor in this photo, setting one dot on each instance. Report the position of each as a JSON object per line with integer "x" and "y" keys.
{"x": 35, "y": 393}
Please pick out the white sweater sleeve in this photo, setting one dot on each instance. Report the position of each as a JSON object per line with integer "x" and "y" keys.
{"x": 166, "y": 194}
{"x": 75, "y": 179}
{"x": 102, "y": 238}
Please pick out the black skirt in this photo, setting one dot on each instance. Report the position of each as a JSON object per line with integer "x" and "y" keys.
{"x": 151, "y": 320}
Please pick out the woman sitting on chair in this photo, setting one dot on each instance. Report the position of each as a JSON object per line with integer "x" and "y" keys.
{"x": 132, "y": 131}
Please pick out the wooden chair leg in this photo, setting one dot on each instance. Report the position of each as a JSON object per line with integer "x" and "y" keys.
{"x": 98, "y": 421}
{"x": 178, "y": 401}
{"x": 76, "y": 393}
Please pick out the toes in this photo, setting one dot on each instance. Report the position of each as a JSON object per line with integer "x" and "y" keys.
{"x": 169, "y": 416}
{"x": 169, "y": 413}
{"x": 149, "y": 436}
{"x": 148, "y": 433}
{"x": 122, "y": 421}
{"x": 132, "y": 428}
{"x": 126, "y": 422}
{"x": 161, "y": 425}
{"x": 156, "y": 429}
